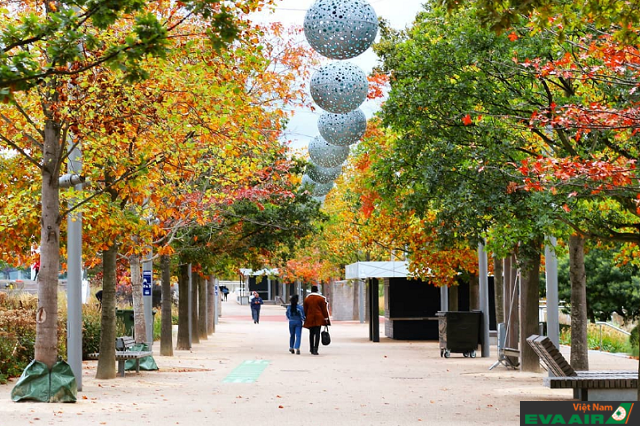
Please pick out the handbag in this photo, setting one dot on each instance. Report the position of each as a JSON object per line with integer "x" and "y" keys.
{"x": 325, "y": 337}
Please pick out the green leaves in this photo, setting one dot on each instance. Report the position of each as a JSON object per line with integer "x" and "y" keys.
{"x": 80, "y": 36}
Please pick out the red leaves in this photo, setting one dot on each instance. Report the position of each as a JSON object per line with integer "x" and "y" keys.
{"x": 378, "y": 84}
{"x": 368, "y": 203}
{"x": 544, "y": 173}
{"x": 466, "y": 120}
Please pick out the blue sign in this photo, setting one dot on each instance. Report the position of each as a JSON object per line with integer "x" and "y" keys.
{"x": 215, "y": 289}
{"x": 146, "y": 283}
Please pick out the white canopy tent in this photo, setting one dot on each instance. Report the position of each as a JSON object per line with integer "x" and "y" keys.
{"x": 364, "y": 270}
{"x": 252, "y": 273}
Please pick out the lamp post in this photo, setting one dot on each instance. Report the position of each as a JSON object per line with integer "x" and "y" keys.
{"x": 74, "y": 268}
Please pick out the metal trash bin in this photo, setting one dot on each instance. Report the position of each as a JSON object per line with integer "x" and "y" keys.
{"x": 459, "y": 332}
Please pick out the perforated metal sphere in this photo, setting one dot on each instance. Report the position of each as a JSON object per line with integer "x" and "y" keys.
{"x": 321, "y": 189}
{"x": 342, "y": 129}
{"x": 320, "y": 199}
{"x": 306, "y": 180}
{"x": 323, "y": 174}
{"x": 340, "y": 29}
{"x": 316, "y": 189}
{"x": 323, "y": 154}
{"x": 339, "y": 87}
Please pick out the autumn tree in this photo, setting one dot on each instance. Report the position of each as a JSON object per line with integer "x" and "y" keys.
{"x": 453, "y": 89}
{"x": 42, "y": 48}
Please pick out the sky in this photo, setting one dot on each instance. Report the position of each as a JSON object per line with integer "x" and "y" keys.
{"x": 400, "y": 14}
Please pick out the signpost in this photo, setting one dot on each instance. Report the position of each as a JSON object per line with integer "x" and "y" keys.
{"x": 146, "y": 283}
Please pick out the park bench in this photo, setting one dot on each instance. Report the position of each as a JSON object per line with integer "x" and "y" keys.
{"x": 124, "y": 353}
{"x": 609, "y": 385}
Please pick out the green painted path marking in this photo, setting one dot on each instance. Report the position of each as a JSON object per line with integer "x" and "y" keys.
{"x": 247, "y": 372}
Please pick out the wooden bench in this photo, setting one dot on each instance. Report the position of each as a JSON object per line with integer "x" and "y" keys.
{"x": 609, "y": 385}
{"x": 123, "y": 353}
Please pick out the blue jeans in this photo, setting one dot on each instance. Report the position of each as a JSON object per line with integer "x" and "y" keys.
{"x": 255, "y": 314}
{"x": 295, "y": 333}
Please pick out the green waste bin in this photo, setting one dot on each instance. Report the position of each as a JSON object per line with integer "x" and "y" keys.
{"x": 126, "y": 316}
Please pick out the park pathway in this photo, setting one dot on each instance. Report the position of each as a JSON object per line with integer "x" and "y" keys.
{"x": 244, "y": 375}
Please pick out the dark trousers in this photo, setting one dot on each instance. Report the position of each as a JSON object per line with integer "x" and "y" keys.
{"x": 314, "y": 338}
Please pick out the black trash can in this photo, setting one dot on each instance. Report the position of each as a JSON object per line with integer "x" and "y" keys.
{"x": 459, "y": 332}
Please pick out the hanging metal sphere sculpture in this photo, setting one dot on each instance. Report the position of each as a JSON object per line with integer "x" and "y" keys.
{"x": 321, "y": 189}
{"x": 340, "y": 29}
{"x": 323, "y": 174}
{"x": 316, "y": 189}
{"x": 339, "y": 87}
{"x": 342, "y": 129}
{"x": 306, "y": 180}
{"x": 324, "y": 154}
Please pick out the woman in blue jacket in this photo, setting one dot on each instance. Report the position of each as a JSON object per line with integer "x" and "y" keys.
{"x": 295, "y": 315}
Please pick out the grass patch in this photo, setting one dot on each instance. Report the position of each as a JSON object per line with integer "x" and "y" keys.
{"x": 601, "y": 338}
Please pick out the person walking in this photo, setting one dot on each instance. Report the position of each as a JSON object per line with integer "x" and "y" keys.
{"x": 225, "y": 292}
{"x": 295, "y": 315}
{"x": 256, "y": 303}
{"x": 316, "y": 310}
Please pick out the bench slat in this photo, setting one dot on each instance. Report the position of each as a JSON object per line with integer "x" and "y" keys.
{"x": 567, "y": 377}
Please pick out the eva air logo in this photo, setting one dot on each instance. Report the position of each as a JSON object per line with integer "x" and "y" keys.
{"x": 577, "y": 413}
{"x": 621, "y": 415}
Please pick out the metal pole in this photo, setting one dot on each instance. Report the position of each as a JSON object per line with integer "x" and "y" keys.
{"x": 444, "y": 299}
{"x": 74, "y": 278}
{"x": 269, "y": 289}
{"x": 190, "y": 305}
{"x": 551, "y": 270}
{"x": 361, "y": 300}
{"x": 484, "y": 298}
{"x": 216, "y": 287}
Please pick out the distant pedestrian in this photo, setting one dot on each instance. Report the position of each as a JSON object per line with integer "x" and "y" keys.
{"x": 256, "y": 303}
{"x": 295, "y": 315}
{"x": 99, "y": 297}
{"x": 225, "y": 292}
{"x": 316, "y": 309}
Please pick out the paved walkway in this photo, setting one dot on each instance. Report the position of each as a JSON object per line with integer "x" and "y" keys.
{"x": 352, "y": 382}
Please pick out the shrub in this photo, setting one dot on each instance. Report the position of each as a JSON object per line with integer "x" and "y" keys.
{"x": 17, "y": 334}
{"x": 91, "y": 317}
{"x": 605, "y": 339}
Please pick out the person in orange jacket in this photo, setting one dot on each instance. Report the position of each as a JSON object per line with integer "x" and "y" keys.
{"x": 316, "y": 310}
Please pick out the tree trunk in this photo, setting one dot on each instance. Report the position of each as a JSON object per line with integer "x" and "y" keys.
{"x": 46, "y": 345}
{"x": 139, "y": 325}
{"x": 202, "y": 308}
{"x": 107, "y": 362}
{"x": 511, "y": 308}
{"x": 211, "y": 324}
{"x": 474, "y": 293}
{"x": 578, "y": 278}
{"x": 166, "y": 330}
{"x": 195, "y": 329}
{"x": 183, "y": 309}
{"x": 498, "y": 289}
{"x": 529, "y": 309}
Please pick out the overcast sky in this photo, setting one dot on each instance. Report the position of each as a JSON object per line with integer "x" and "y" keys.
{"x": 400, "y": 14}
